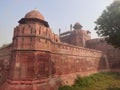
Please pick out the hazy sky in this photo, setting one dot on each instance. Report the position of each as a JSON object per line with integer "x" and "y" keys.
{"x": 58, "y": 13}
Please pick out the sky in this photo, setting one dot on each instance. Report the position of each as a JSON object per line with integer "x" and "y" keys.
{"x": 58, "y": 13}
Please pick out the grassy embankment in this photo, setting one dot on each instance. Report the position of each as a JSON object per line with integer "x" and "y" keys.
{"x": 98, "y": 81}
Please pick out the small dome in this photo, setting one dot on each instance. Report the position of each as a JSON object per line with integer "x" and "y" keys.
{"x": 34, "y": 14}
{"x": 77, "y": 26}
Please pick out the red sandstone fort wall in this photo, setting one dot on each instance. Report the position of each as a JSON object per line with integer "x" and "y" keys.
{"x": 63, "y": 60}
{"x": 44, "y": 58}
{"x": 38, "y": 58}
{"x": 39, "y": 61}
{"x": 5, "y": 57}
{"x": 70, "y": 60}
{"x": 113, "y": 54}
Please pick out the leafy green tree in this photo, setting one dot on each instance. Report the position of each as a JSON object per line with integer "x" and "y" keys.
{"x": 108, "y": 24}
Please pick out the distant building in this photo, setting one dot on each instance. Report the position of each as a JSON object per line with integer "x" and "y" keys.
{"x": 76, "y": 37}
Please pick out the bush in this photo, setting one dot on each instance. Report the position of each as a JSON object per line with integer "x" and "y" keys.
{"x": 83, "y": 81}
{"x": 66, "y": 87}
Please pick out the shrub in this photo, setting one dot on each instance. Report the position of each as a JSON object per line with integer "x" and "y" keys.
{"x": 66, "y": 87}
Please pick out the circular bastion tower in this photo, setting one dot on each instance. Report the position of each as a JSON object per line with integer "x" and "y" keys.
{"x": 30, "y": 59}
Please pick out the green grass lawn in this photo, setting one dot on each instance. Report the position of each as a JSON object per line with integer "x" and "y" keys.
{"x": 98, "y": 81}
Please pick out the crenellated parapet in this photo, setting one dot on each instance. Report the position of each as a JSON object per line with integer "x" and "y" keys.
{"x": 33, "y": 36}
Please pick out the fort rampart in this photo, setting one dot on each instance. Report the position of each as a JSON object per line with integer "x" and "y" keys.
{"x": 5, "y": 56}
{"x": 38, "y": 60}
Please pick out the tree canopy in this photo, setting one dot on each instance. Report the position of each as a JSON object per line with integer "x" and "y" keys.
{"x": 108, "y": 24}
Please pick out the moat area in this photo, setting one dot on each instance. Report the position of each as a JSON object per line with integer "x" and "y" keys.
{"x": 98, "y": 81}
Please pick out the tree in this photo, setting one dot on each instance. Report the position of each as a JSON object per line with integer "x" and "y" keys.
{"x": 108, "y": 24}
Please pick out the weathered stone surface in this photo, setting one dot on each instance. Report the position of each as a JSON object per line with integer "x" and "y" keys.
{"x": 5, "y": 57}
{"x": 113, "y": 54}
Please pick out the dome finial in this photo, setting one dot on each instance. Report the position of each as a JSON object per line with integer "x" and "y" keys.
{"x": 36, "y": 9}
{"x": 77, "y": 26}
